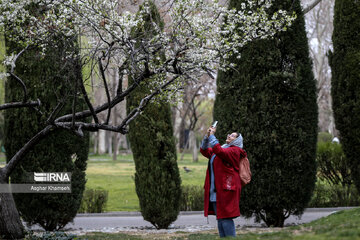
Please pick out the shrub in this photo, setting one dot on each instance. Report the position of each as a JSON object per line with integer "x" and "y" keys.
{"x": 336, "y": 187}
{"x": 157, "y": 178}
{"x": 326, "y": 195}
{"x": 324, "y": 137}
{"x": 94, "y": 201}
{"x": 333, "y": 165}
{"x": 271, "y": 100}
{"x": 192, "y": 198}
{"x": 345, "y": 87}
{"x": 52, "y": 81}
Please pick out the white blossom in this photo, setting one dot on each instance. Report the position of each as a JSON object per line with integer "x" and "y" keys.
{"x": 10, "y": 60}
{"x": 198, "y": 39}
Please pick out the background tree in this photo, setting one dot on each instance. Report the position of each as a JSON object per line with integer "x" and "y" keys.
{"x": 271, "y": 99}
{"x": 61, "y": 151}
{"x": 190, "y": 113}
{"x": 345, "y": 88}
{"x": 319, "y": 25}
{"x": 157, "y": 178}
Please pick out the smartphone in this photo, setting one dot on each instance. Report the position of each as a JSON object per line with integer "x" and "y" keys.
{"x": 214, "y": 124}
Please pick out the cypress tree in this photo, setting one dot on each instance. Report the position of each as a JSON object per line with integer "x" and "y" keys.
{"x": 51, "y": 79}
{"x": 271, "y": 100}
{"x": 345, "y": 88}
{"x": 157, "y": 177}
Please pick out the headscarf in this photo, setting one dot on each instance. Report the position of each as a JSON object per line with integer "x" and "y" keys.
{"x": 238, "y": 142}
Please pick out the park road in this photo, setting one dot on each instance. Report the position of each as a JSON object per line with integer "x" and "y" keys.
{"x": 187, "y": 221}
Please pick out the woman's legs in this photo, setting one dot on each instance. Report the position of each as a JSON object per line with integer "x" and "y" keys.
{"x": 226, "y": 226}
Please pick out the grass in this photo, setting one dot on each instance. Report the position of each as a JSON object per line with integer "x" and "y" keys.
{"x": 343, "y": 225}
{"x": 118, "y": 178}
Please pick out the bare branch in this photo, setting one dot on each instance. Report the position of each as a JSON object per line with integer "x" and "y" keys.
{"x": 135, "y": 112}
{"x": 121, "y": 75}
{"x": 106, "y": 90}
{"x": 56, "y": 110}
{"x": 26, "y": 148}
{"x": 74, "y": 102}
{"x": 20, "y": 104}
{"x": 92, "y": 127}
{"x": 22, "y": 85}
{"x": 309, "y": 7}
{"x": 16, "y": 77}
{"x": 105, "y": 106}
{"x": 16, "y": 57}
{"x": 87, "y": 100}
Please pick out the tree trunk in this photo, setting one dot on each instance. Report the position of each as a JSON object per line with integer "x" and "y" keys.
{"x": 109, "y": 142}
{"x": 115, "y": 135}
{"x": 274, "y": 218}
{"x": 116, "y": 146}
{"x": 193, "y": 146}
{"x": 102, "y": 142}
{"x": 10, "y": 224}
{"x": 96, "y": 142}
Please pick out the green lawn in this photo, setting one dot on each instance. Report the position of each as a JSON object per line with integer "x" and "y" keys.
{"x": 344, "y": 225}
{"x": 117, "y": 177}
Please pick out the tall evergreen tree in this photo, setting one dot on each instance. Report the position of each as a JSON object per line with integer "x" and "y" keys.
{"x": 271, "y": 99}
{"x": 345, "y": 87}
{"x": 51, "y": 78}
{"x": 157, "y": 177}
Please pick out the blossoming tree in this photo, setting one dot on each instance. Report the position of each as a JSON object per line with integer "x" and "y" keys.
{"x": 200, "y": 39}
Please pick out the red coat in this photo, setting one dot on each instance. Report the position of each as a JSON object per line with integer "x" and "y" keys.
{"x": 227, "y": 181}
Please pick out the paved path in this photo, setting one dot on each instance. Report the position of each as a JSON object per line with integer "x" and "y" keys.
{"x": 187, "y": 221}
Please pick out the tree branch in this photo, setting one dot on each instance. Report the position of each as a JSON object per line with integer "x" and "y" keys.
{"x": 106, "y": 90}
{"x": 16, "y": 77}
{"x": 92, "y": 127}
{"x": 135, "y": 112}
{"x": 74, "y": 102}
{"x": 58, "y": 107}
{"x": 20, "y": 104}
{"x": 87, "y": 100}
{"x": 22, "y": 85}
{"x": 26, "y": 148}
{"x": 309, "y": 7}
{"x": 116, "y": 100}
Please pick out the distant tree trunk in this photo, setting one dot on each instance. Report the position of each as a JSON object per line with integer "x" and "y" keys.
{"x": 115, "y": 136}
{"x": 102, "y": 141}
{"x": 109, "y": 142}
{"x": 182, "y": 138}
{"x": 95, "y": 142}
{"x": 10, "y": 223}
{"x": 319, "y": 22}
{"x": 116, "y": 146}
{"x": 193, "y": 146}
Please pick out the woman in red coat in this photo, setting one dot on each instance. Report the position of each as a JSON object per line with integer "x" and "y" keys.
{"x": 222, "y": 182}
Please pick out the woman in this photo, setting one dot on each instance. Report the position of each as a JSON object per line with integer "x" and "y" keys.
{"x": 222, "y": 182}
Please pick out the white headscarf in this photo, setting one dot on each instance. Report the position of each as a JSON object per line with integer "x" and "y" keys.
{"x": 238, "y": 142}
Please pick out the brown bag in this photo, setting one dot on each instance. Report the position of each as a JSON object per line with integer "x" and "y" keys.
{"x": 245, "y": 173}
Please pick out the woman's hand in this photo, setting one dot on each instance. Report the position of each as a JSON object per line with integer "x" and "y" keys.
{"x": 211, "y": 131}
